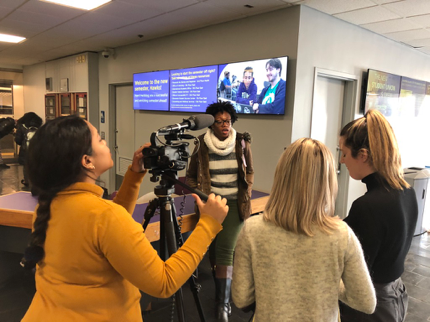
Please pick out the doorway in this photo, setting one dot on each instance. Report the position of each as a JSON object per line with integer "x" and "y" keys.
{"x": 121, "y": 131}
{"x": 334, "y": 101}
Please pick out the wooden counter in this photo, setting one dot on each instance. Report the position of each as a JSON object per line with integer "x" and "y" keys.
{"x": 16, "y": 216}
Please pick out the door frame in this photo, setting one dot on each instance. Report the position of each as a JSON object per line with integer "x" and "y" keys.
{"x": 112, "y": 143}
{"x": 350, "y": 100}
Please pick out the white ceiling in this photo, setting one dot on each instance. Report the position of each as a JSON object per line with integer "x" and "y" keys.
{"x": 54, "y": 31}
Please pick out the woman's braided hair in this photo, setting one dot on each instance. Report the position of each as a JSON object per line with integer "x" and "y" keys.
{"x": 54, "y": 163}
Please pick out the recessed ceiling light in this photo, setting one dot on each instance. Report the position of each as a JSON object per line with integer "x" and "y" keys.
{"x": 10, "y": 38}
{"x": 80, "y": 4}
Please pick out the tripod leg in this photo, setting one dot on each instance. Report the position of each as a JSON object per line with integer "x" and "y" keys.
{"x": 167, "y": 213}
{"x": 149, "y": 212}
{"x": 195, "y": 287}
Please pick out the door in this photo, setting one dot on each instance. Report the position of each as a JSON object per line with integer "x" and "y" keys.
{"x": 7, "y": 143}
{"x": 333, "y": 107}
{"x": 124, "y": 131}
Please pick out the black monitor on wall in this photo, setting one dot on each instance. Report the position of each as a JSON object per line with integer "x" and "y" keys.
{"x": 193, "y": 89}
{"x": 382, "y": 92}
{"x": 252, "y": 86}
{"x": 151, "y": 91}
{"x": 256, "y": 86}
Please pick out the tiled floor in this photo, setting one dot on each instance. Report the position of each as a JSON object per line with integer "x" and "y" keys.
{"x": 417, "y": 279}
{"x": 10, "y": 179}
{"x": 17, "y": 286}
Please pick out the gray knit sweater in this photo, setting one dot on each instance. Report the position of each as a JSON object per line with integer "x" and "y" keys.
{"x": 293, "y": 277}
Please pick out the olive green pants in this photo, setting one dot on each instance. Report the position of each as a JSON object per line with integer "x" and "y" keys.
{"x": 222, "y": 248}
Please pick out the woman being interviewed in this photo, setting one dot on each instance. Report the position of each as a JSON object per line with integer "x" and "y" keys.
{"x": 92, "y": 257}
{"x": 296, "y": 260}
{"x": 223, "y": 165}
{"x": 384, "y": 218}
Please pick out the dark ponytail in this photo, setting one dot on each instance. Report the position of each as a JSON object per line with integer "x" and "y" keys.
{"x": 54, "y": 163}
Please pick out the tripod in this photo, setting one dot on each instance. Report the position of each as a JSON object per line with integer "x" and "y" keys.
{"x": 170, "y": 232}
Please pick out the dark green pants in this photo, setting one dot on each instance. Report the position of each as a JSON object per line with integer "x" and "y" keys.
{"x": 222, "y": 248}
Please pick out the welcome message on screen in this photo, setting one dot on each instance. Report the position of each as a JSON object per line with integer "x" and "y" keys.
{"x": 183, "y": 90}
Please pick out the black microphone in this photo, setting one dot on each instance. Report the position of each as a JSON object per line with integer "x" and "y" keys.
{"x": 194, "y": 123}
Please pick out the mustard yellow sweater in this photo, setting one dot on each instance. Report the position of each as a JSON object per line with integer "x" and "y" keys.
{"x": 97, "y": 257}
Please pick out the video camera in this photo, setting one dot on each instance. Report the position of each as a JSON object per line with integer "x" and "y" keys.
{"x": 173, "y": 154}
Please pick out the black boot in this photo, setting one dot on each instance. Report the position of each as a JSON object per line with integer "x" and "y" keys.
{"x": 223, "y": 277}
{"x": 216, "y": 289}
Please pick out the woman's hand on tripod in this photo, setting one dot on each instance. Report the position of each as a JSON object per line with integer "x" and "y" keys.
{"x": 137, "y": 164}
{"x": 215, "y": 207}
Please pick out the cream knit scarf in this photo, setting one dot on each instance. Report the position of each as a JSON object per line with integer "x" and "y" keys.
{"x": 216, "y": 146}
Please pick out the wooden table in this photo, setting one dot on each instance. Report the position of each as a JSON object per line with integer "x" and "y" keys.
{"x": 16, "y": 216}
{"x": 189, "y": 218}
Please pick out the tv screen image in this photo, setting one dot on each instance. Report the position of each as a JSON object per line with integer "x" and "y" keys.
{"x": 382, "y": 92}
{"x": 151, "y": 91}
{"x": 412, "y": 97}
{"x": 255, "y": 86}
{"x": 193, "y": 89}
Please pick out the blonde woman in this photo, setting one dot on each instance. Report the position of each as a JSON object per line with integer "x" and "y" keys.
{"x": 296, "y": 260}
{"x": 384, "y": 218}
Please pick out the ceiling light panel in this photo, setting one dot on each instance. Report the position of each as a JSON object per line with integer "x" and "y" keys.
{"x": 11, "y": 38}
{"x": 80, "y": 4}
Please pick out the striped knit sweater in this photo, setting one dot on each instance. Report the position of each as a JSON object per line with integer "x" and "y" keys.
{"x": 224, "y": 173}
{"x": 223, "y": 168}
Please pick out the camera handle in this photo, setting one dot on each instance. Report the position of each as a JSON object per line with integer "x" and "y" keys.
{"x": 201, "y": 194}
{"x": 170, "y": 233}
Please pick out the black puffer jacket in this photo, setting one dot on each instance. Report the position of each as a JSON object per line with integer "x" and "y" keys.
{"x": 29, "y": 122}
{"x": 7, "y": 124}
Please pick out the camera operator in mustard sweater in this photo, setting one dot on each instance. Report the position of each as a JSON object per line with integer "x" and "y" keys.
{"x": 92, "y": 257}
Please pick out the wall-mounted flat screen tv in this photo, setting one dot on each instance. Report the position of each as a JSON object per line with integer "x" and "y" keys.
{"x": 151, "y": 91}
{"x": 382, "y": 92}
{"x": 255, "y": 86}
{"x": 412, "y": 96}
{"x": 193, "y": 89}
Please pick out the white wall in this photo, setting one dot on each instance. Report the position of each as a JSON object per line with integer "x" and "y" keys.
{"x": 330, "y": 43}
{"x": 269, "y": 35}
{"x": 82, "y": 78}
{"x": 323, "y": 41}
{"x": 34, "y": 89}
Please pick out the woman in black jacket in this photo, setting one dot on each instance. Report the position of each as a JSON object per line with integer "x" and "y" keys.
{"x": 384, "y": 218}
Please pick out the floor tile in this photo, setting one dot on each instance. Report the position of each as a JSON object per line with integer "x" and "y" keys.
{"x": 412, "y": 278}
{"x": 419, "y": 308}
{"x": 418, "y": 293}
{"x": 410, "y": 317}
{"x": 422, "y": 270}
